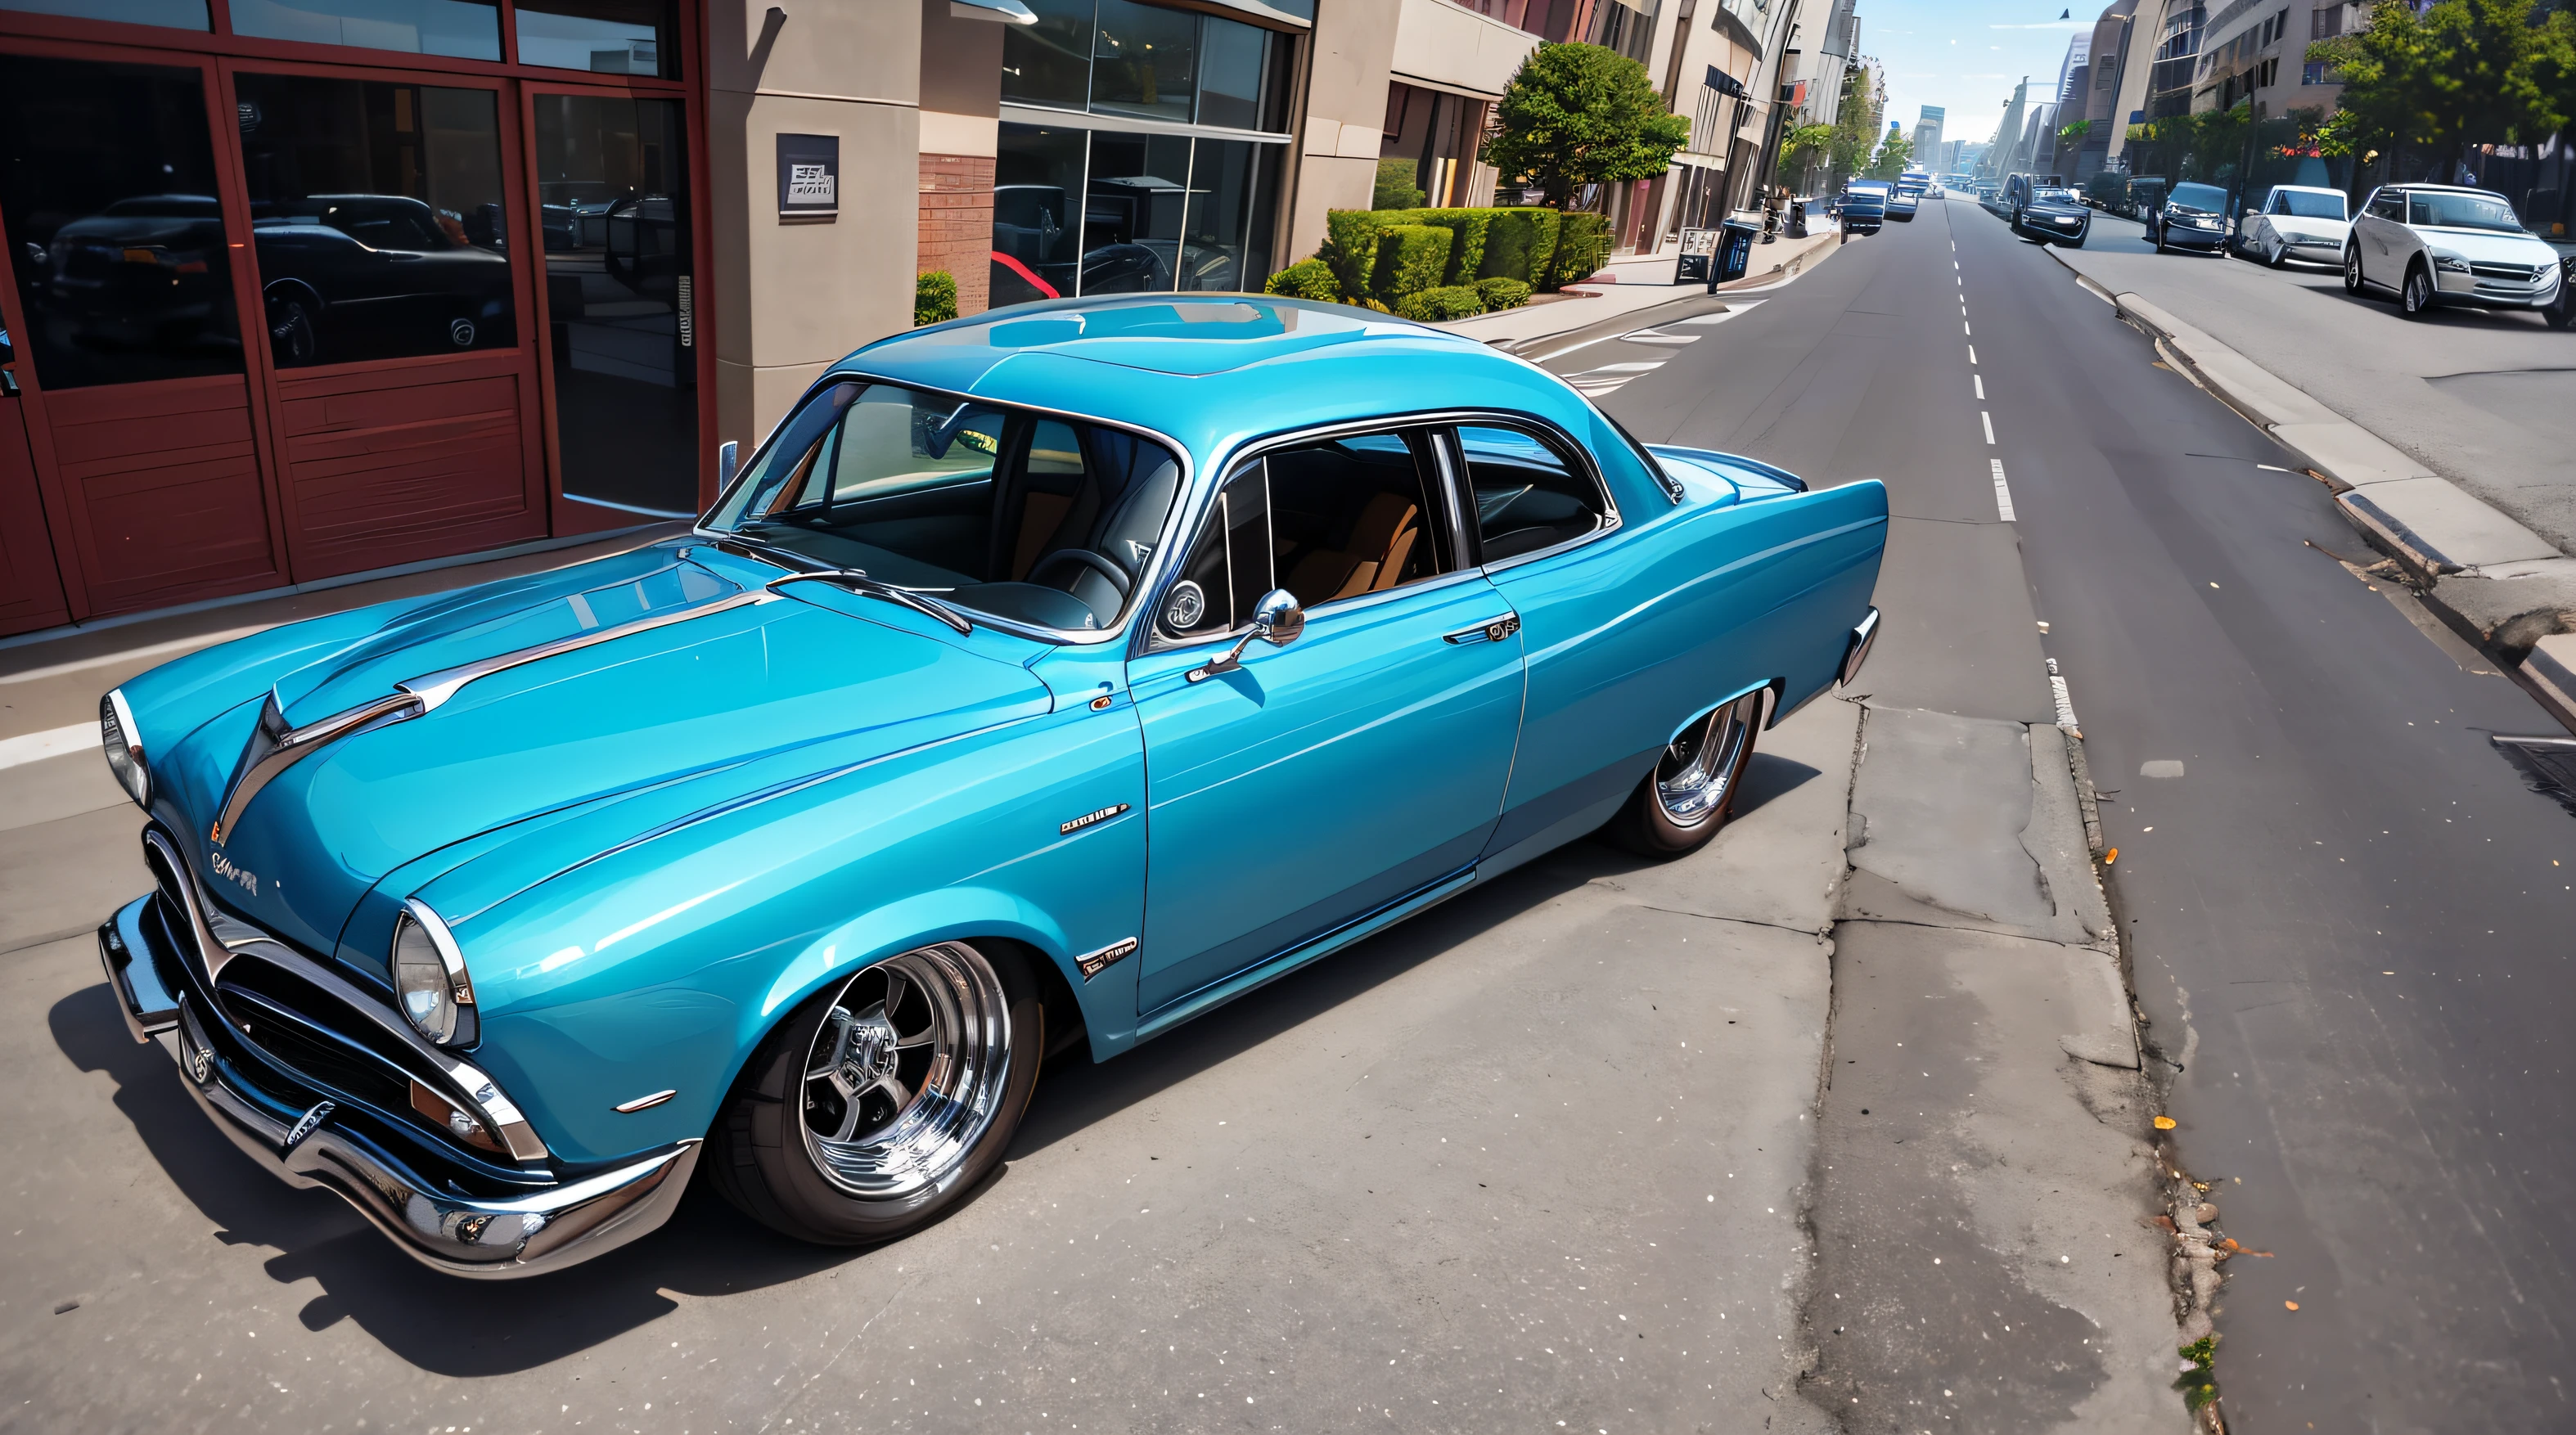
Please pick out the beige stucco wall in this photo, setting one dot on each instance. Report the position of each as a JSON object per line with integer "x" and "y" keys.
{"x": 1448, "y": 45}
{"x": 791, "y": 297}
{"x": 1340, "y": 125}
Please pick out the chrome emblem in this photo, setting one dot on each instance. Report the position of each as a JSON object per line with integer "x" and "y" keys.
{"x": 223, "y": 867}
{"x": 305, "y": 1125}
{"x": 201, "y": 1065}
{"x": 1094, "y": 963}
{"x": 1088, "y": 818}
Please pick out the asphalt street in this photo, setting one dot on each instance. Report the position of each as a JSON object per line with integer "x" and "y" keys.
{"x": 2349, "y": 919}
{"x": 2486, "y": 398}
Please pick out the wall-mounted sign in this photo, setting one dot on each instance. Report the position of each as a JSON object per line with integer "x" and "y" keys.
{"x": 809, "y": 176}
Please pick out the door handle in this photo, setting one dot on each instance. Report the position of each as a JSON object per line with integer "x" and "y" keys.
{"x": 1493, "y": 632}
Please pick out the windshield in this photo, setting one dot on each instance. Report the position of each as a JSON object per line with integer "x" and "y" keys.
{"x": 2305, "y": 204}
{"x": 1036, "y": 520}
{"x": 2204, "y": 198}
{"x": 2054, "y": 196}
{"x": 2462, "y": 211}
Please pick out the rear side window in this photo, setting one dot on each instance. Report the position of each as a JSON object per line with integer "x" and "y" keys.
{"x": 1527, "y": 495}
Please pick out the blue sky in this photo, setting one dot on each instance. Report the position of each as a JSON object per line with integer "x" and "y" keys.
{"x": 1966, "y": 55}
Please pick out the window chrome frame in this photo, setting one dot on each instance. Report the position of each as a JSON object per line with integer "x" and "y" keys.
{"x": 1148, "y": 581}
{"x": 1448, "y": 460}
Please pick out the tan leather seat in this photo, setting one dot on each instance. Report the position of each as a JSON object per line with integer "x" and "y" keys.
{"x": 1380, "y": 544}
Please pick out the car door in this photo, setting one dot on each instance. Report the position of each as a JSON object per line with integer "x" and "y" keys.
{"x": 2374, "y": 231}
{"x": 1316, "y": 782}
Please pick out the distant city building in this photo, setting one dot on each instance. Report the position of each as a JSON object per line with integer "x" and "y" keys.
{"x": 1927, "y": 135}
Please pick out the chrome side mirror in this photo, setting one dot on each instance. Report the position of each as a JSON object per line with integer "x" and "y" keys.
{"x": 1276, "y": 619}
{"x": 728, "y": 463}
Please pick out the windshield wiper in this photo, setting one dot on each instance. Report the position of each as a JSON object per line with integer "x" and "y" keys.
{"x": 859, "y": 582}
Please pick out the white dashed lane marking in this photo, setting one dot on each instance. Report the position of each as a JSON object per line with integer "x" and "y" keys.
{"x": 1981, "y": 386}
{"x": 2003, "y": 491}
{"x": 1988, "y": 420}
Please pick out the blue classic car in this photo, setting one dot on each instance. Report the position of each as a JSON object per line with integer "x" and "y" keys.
{"x": 1046, "y": 679}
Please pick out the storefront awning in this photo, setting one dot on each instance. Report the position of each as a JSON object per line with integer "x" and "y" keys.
{"x": 1011, "y": 11}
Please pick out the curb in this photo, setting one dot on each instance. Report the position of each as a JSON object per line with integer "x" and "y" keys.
{"x": 2494, "y": 581}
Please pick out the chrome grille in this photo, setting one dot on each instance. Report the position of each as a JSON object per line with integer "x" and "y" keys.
{"x": 2519, "y": 273}
{"x": 315, "y": 1030}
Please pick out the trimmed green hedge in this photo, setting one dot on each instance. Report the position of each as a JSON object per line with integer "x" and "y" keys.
{"x": 1467, "y": 252}
{"x": 1582, "y": 247}
{"x": 1453, "y": 301}
{"x": 1350, "y": 247}
{"x": 1306, "y": 279}
{"x": 1410, "y": 259}
{"x": 1501, "y": 293}
{"x": 1519, "y": 244}
{"x": 934, "y": 298}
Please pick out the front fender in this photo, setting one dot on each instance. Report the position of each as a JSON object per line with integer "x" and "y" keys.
{"x": 661, "y": 966}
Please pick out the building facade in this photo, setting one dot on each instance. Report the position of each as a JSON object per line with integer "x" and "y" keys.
{"x": 1927, "y": 137}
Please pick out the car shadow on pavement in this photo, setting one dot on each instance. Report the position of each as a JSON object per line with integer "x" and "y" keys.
{"x": 467, "y": 1328}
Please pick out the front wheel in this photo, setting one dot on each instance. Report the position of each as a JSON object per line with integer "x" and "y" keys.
{"x": 2417, "y": 297}
{"x": 2352, "y": 269}
{"x": 1691, "y": 793}
{"x": 2157, "y": 234}
{"x": 878, "y": 1105}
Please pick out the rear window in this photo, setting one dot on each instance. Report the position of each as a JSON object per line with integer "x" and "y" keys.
{"x": 2299, "y": 204}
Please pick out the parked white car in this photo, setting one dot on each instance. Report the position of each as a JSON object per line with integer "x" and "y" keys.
{"x": 2298, "y": 223}
{"x": 2436, "y": 244}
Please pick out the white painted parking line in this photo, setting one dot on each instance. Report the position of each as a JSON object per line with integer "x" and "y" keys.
{"x": 37, "y": 746}
{"x": 1658, "y": 336}
{"x": 2003, "y": 491}
{"x": 1988, "y": 420}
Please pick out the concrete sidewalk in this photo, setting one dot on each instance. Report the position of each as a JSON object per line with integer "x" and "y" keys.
{"x": 2502, "y": 585}
{"x": 1638, "y": 283}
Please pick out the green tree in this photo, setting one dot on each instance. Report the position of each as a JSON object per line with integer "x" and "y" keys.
{"x": 1855, "y": 124}
{"x": 1800, "y": 148}
{"x": 1895, "y": 151}
{"x": 2074, "y": 134}
{"x": 2462, "y": 72}
{"x": 1580, "y": 114}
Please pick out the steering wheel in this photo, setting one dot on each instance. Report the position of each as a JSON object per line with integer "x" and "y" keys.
{"x": 1117, "y": 577}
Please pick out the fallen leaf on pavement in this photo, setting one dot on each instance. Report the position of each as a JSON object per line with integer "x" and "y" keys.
{"x": 2164, "y": 1123}
{"x": 2291, "y": 1304}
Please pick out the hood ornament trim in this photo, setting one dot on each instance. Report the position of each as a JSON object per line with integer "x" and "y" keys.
{"x": 275, "y": 747}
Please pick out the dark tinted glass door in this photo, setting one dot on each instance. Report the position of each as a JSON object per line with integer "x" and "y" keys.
{"x": 117, "y": 237}
{"x": 376, "y": 218}
{"x": 615, "y": 213}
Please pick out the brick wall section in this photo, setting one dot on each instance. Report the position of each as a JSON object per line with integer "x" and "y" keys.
{"x": 957, "y": 225}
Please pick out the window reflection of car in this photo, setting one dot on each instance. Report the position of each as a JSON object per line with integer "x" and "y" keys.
{"x": 1031, "y": 239}
{"x": 2051, "y": 215}
{"x": 355, "y": 276}
{"x": 146, "y": 270}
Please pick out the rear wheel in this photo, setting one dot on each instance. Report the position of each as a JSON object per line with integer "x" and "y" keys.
{"x": 1691, "y": 793}
{"x": 883, "y": 1101}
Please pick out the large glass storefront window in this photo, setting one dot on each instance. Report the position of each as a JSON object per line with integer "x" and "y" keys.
{"x": 605, "y": 37}
{"x": 1124, "y": 57}
{"x": 1159, "y": 213}
{"x": 120, "y": 257}
{"x": 466, "y": 29}
{"x": 612, "y": 182}
{"x": 184, "y": 14}
{"x": 376, "y": 218}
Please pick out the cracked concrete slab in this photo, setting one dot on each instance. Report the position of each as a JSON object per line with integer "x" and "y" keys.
{"x": 1983, "y": 1262}
{"x": 1960, "y": 821}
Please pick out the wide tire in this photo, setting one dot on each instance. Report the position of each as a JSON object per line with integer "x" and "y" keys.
{"x": 1690, "y": 795}
{"x": 883, "y": 1102}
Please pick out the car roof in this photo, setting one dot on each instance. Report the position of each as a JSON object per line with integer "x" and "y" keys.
{"x": 2306, "y": 189}
{"x": 1209, "y": 370}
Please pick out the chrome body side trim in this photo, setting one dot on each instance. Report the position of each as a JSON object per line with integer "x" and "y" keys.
{"x": 222, "y": 941}
{"x": 1863, "y": 633}
{"x": 275, "y": 747}
{"x": 133, "y": 737}
{"x": 643, "y": 1103}
{"x": 1493, "y": 632}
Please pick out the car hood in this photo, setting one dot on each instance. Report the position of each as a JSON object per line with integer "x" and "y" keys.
{"x": 2485, "y": 246}
{"x": 728, "y": 689}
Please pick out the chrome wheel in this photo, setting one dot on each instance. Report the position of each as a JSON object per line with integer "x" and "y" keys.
{"x": 906, "y": 1072}
{"x": 1696, "y": 774}
{"x": 2418, "y": 295}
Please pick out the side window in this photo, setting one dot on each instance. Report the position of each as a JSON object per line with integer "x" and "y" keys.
{"x": 2384, "y": 205}
{"x": 1329, "y": 520}
{"x": 1527, "y": 496}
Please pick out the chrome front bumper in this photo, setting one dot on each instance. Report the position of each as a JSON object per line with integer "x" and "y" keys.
{"x": 545, "y": 1227}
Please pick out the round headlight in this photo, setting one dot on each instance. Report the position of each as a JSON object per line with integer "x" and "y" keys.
{"x": 124, "y": 748}
{"x": 430, "y": 980}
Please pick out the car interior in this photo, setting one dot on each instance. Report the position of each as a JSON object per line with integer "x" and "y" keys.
{"x": 1039, "y": 520}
